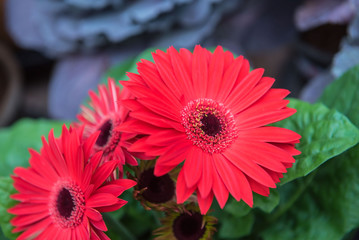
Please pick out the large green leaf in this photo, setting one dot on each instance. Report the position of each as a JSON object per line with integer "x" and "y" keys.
{"x": 17, "y": 139}
{"x": 327, "y": 209}
{"x": 266, "y": 204}
{"x": 325, "y": 134}
{"x": 343, "y": 95}
{"x": 6, "y": 189}
{"x": 235, "y": 227}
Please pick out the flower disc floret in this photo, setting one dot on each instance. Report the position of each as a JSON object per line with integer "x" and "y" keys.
{"x": 209, "y": 125}
{"x": 67, "y": 204}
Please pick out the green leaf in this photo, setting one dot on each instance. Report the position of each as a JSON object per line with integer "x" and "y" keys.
{"x": 325, "y": 134}
{"x": 17, "y": 139}
{"x": 235, "y": 227}
{"x": 343, "y": 94}
{"x": 6, "y": 189}
{"x": 327, "y": 209}
{"x": 266, "y": 204}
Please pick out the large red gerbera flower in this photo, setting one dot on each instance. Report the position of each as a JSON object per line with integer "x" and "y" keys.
{"x": 62, "y": 194}
{"x": 106, "y": 114}
{"x": 210, "y": 111}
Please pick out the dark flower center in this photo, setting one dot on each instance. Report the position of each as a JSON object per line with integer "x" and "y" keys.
{"x": 64, "y": 203}
{"x": 159, "y": 189}
{"x": 104, "y": 134}
{"x": 211, "y": 124}
{"x": 188, "y": 226}
{"x": 67, "y": 204}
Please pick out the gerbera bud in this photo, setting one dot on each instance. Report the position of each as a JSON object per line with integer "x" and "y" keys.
{"x": 152, "y": 191}
{"x": 185, "y": 222}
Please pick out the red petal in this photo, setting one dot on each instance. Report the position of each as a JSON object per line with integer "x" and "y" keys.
{"x": 22, "y": 220}
{"x": 246, "y": 84}
{"x": 99, "y": 224}
{"x": 101, "y": 200}
{"x": 174, "y": 155}
{"x": 166, "y": 137}
{"x": 270, "y": 134}
{"x": 101, "y": 235}
{"x": 35, "y": 229}
{"x": 289, "y": 148}
{"x": 162, "y": 107}
{"x": 206, "y": 182}
{"x": 216, "y": 66}
{"x": 24, "y": 187}
{"x": 259, "y": 153}
{"x": 219, "y": 189}
{"x": 31, "y": 177}
{"x": 103, "y": 172}
{"x": 258, "y": 188}
{"x": 182, "y": 74}
{"x": 192, "y": 167}
{"x": 204, "y": 202}
{"x": 93, "y": 214}
{"x": 120, "y": 203}
{"x": 117, "y": 187}
{"x": 27, "y": 208}
{"x": 89, "y": 143}
{"x": 238, "y": 104}
{"x": 200, "y": 71}
{"x": 234, "y": 180}
{"x": 251, "y": 169}
{"x": 182, "y": 192}
{"x": 254, "y": 120}
{"x": 228, "y": 81}
{"x": 136, "y": 126}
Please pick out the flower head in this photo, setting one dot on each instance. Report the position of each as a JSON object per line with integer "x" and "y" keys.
{"x": 157, "y": 192}
{"x": 208, "y": 110}
{"x": 185, "y": 222}
{"x": 62, "y": 193}
{"x": 105, "y": 114}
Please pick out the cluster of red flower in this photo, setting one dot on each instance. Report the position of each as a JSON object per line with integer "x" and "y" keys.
{"x": 204, "y": 114}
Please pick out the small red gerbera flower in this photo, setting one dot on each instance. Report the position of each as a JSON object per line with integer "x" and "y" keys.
{"x": 210, "y": 110}
{"x": 62, "y": 194}
{"x": 106, "y": 114}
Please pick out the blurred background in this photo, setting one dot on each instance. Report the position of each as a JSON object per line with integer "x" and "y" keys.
{"x": 52, "y": 52}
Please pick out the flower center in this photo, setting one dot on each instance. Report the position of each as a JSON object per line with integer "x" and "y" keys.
{"x": 209, "y": 125}
{"x": 188, "y": 226}
{"x": 159, "y": 189}
{"x": 67, "y": 204}
{"x": 104, "y": 134}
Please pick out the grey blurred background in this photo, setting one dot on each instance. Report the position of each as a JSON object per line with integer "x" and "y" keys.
{"x": 53, "y": 51}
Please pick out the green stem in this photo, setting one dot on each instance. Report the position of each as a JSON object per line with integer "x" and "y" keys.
{"x": 157, "y": 216}
{"x": 285, "y": 207}
{"x": 118, "y": 227}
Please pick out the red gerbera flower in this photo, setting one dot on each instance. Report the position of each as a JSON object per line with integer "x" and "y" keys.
{"x": 210, "y": 111}
{"x": 62, "y": 194}
{"x": 106, "y": 114}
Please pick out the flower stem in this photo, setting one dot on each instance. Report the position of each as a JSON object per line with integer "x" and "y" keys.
{"x": 285, "y": 207}
{"x": 118, "y": 227}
